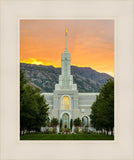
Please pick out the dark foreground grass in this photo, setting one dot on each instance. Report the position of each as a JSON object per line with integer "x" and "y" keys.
{"x": 92, "y": 136}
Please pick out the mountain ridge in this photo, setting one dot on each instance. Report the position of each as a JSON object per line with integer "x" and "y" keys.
{"x": 45, "y": 77}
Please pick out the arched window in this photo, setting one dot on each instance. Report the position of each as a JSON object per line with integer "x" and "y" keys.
{"x": 85, "y": 121}
{"x": 65, "y": 103}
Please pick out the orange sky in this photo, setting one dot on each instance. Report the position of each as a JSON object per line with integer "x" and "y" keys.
{"x": 90, "y": 42}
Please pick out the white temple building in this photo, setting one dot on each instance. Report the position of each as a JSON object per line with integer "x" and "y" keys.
{"x": 66, "y": 103}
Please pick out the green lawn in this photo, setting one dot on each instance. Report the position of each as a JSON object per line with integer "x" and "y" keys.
{"x": 92, "y": 136}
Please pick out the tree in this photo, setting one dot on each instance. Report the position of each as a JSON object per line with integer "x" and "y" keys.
{"x": 71, "y": 123}
{"x": 77, "y": 122}
{"x": 102, "y": 114}
{"x": 60, "y": 123}
{"x": 33, "y": 107}
{"x": 54, "y": 122}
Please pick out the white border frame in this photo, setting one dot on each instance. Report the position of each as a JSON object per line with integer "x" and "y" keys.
{"x": 122, "y": 147}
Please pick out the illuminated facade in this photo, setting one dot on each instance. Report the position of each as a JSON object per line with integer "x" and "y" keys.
{"x": 66, "y": 103}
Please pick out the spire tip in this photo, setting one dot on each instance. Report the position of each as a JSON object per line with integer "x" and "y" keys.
{"x": 66, "y": 31}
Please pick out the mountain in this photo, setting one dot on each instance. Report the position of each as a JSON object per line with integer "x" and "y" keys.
{"x": 45, "y": 77}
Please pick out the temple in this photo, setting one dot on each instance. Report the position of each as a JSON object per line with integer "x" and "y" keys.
{"x": 66, "y": 103}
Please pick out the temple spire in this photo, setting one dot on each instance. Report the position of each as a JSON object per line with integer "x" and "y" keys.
{"x": 65, "y": 39}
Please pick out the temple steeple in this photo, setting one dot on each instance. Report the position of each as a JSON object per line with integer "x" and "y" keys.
{"x": 65, "y": 40}
{"x": 66, "y": 79}
{"x": 65, "y": 67}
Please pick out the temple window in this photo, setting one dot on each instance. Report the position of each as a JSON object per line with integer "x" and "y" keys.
{"x": 65, "y": 103}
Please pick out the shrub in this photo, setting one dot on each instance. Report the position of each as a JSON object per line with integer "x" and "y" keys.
{"x": 76, "y": 130}
{"x": 54, "y": 122}
{"x": 67, "y": 129}
{"x": 54, "y": 130}
{"x": 77, "y": 122}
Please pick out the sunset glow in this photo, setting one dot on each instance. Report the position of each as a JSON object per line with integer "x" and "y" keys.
{"x": 90, "y": 43}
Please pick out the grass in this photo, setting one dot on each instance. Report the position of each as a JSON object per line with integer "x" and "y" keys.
{"x": 40, "y": 136}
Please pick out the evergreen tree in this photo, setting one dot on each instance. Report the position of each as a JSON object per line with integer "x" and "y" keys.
{"x": 71, "y": 123}
{"x": 102, "y": 114}
{"x": 77, "y": 122}
{"x": 33, "y": 107}
{"x": 61, "y": 124}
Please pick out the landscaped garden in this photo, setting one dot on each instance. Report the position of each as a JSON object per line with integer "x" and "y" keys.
{"x": 41, "y": 136}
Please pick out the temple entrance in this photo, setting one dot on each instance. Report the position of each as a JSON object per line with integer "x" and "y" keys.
{"x": 65, "y": 120}
{"x": 85, "y": 121}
